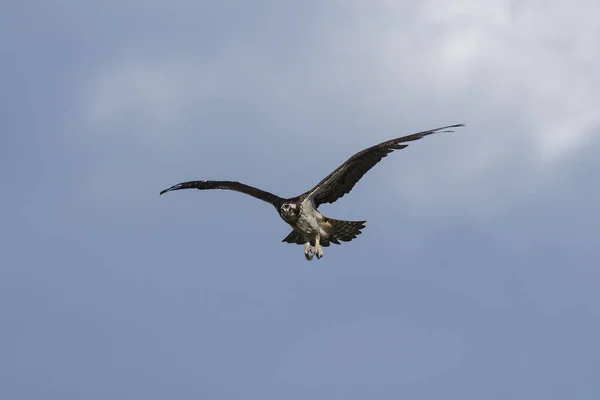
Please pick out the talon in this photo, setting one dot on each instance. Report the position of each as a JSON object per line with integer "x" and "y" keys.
{"x": 318, "y": 248}
{"x": 308, "y": 252}
{"x": 319, "y": 252}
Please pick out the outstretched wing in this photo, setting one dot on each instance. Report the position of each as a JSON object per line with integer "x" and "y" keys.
{"x": 228, "y": 185}
{"x": 343, "y": 179}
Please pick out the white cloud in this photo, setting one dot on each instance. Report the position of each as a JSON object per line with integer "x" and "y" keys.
{"x": 537, "y": 57}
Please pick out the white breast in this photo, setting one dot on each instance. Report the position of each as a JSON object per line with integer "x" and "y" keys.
{"x": 308, "y": 223}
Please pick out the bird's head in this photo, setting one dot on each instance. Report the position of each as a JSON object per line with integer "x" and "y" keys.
{"x": 288, "y": 211}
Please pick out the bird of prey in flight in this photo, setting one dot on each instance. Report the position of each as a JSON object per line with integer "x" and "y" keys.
{"x": 310, "y": 227}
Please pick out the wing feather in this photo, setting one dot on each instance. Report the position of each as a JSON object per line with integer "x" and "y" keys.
{"x": 342, "y": 180}
{"x": 228, "y": 185}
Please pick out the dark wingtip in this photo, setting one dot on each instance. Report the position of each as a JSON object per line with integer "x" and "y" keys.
{"x": 446, "y": 130}
{"x": 169, "y": 189}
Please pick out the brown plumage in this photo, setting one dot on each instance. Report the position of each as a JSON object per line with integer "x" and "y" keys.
{"x": 310, "y": 227}
{"x": 227, "y": 185}
{"x": 342, "y": 180}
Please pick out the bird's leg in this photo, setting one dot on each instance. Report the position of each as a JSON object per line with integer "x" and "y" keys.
{"x": 308, "y": 251}
{"x": 318, "y": 248}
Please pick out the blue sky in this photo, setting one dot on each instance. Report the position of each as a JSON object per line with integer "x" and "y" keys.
{"x": 476, "y": 276}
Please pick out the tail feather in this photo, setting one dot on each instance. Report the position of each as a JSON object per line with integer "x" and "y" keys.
{"x": 344, "y": 230}
{"x": 339, "y": 230}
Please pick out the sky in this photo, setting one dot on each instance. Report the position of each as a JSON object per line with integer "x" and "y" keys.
{"x": 477, "y": 275}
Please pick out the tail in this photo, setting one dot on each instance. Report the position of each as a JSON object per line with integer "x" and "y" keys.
{"x": 338, "y": 230}
{"x": 344, "y": 230}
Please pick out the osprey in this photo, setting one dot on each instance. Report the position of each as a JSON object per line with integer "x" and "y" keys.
{"x": 310, "y": 227}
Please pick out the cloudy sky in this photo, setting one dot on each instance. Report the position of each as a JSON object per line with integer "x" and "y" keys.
{"x": 477, "y": 275}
